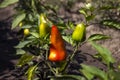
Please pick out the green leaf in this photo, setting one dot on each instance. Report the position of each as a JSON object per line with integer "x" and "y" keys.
{"x": 107, "y": 7}
{"x": 30, "y": 37}
{"x": 20, "y": 51}
{"x": 31, "y": 72}
{"x": 25, "y": 58}
{"x": 26, "y": 26}
{"x": 22, "y": 44}
{"x": 95, "y": 37}
{"x": 68, "y": 39}
{"x": 35, "y": 34}
{"x": 96, "y": 72}
{"x": 61, "y": 66}
{"x": 83, "y": 11}
{"x": 67, "y": 77}
{"x": 70, "y": 25}
{"x": 18, "y": 19}
{"x": 91, "y": 17}
{"x": 104, "y": 53}
{"x": 114, "y": 75}
{"x": 90, "y": 7}
{"x": 111, "y": 23}
{"x": 87, "y": 74}
{"x": 6, "y": 3}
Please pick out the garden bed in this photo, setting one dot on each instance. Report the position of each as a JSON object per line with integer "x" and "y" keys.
{"x": 9, "y": 38}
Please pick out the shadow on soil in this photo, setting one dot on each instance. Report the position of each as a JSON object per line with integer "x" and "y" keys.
{"x": 8, "y": 40}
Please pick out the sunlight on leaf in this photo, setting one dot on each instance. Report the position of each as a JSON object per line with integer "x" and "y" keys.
{"x": 68, "y": 39}
{"x": 26, "y": 26}
{"x": 22, "y": 44}
{"x": 93, "y": 71}
{"x": 17, "y": 20}
{"x": 25, "y": 58}
{"x": 20, "y": 51}
{"x": 35, "y": 34}
{"x": 31, "y": 72}
{"x": 104, "y": 53}
{"x": 83, "y": 11}
{"x": 96, "y": 37}
{"x": 87, "y": 74}
{"x": 6, "y": 3}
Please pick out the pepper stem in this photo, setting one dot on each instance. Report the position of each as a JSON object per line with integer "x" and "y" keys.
{"x": 71, "y": 57}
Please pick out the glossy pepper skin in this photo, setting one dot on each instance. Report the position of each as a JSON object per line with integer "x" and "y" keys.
{"x": 57, "y": 46}
{"x": 26, "y": 32}
{"x": 79, "y": 33}
{"x": 44, "y": 29}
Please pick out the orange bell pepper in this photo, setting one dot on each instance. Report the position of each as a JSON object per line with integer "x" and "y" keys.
{"x": 57, "y": 46}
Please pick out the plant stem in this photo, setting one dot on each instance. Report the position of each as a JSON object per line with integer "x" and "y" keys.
{"x": 46, "y": 56}
{"x": 70, "y": 58}
{"x": 76, "y": 49}
{"x": 50, "y": 67}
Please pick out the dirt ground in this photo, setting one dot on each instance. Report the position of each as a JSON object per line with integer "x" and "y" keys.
{"x": 8, "y": 39}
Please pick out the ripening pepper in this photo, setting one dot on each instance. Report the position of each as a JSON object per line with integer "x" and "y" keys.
{"x": 26, "y": 32}
{"x": 44, "y": 29}
{"x": 79, "y": 33}
{"x": 20, "y": 24}
{"x": 57, "y": 46}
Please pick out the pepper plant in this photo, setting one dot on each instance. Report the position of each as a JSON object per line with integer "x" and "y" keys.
{"x": 43, "y": 45}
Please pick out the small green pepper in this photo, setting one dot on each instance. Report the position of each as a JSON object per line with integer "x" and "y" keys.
{"x": 79, "y": 32}
{"x": 44, "y": 29}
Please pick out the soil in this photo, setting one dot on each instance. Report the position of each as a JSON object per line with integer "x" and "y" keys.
{"x": 9, "y": 38}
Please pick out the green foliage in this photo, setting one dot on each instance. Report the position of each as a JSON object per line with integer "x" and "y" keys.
{"x": 88, "y": 13}
{"x": 68, "y": 77}
{"x": 68, "y": 39}
{"x": 30, "y": 72}
{"x": 96, "y": 37}
{"x": 22, "y": 44}
{"x": 83, "y": 11}
{"x": 114, "y": 75}
{"x": 26, "y": 26}
{"x": 6, "y": 3}
{"x": 20, "y": 51}
{"x": 91, "y": 71}
{"x": 111, "y": 23}
{"x": 34, "y": 50}
{"x": 25, "y": 58}
{"x": 104, "y": 53}
{"x": 109, "y": 12}
{"x": 35, "y": 34}
{"x": 18, "y": 19}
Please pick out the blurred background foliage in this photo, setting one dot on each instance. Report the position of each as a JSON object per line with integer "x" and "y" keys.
{"x": 107, "y": 12}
